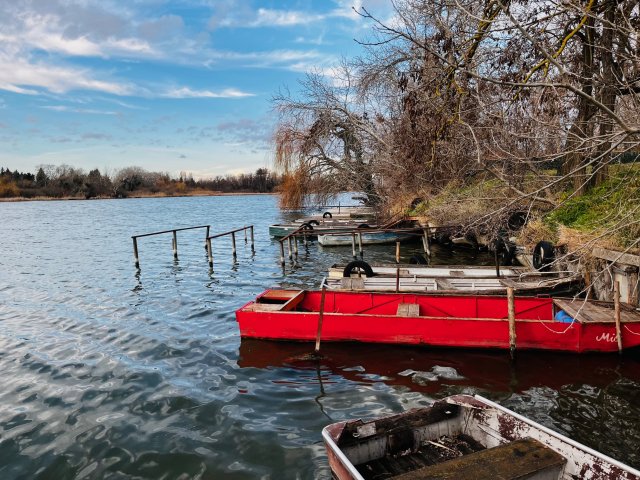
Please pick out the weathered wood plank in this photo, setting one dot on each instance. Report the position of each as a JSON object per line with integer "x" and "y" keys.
{"x": 589, "y": 312}
{"x": 515, "y": 460}
{"x": 618, "y": 257}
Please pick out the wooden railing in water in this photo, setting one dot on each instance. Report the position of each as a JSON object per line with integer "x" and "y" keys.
{"x": 174, "y": 240}
{"x": 233, "y": 242}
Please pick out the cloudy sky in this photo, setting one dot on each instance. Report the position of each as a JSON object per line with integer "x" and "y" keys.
{"x": 181, "y": 85}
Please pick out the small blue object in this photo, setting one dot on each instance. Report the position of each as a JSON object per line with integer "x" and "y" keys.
{"x": 563, "y": 317}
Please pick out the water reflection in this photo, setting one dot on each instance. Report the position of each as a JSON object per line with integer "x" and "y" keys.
{"x": 113, "y": 372}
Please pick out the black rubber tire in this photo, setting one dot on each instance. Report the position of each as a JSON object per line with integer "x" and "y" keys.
{"x": 363, "y": 225}
{"x": 313, "y": 222}
{"x": 416, "y": 201}
{"x": 357, "y": 264}
{"x": 516, "y": 221}
{"x": 418, "y": 260}
{"x": 544, "y": 254}
{"x": 327, "y": 215}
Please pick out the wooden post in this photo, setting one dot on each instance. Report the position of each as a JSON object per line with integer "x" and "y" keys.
{"x": 253, "y": 247}
{"x": 511, "y": 305}
{"x": 295, "y": 246}
{"x": 397, "y": 280}
{"x": 425, "y": 241}
{"x": 353, "y": 245}
{"x": 209, "y": 252}
{"x": 497, "y": 259}
{"x": 290, "y": 249}
{"x": 174, "y": 244}
{"x": 233, "y": 244}
{"x": 281, "y": 253}
{"x": 397, "y": 252}
{"x": 206, "y": 237}
{"x": 245, "y": 235}
{"x": 320, "y": 315}
{"x": 135, "y": 252}
{"x": 616, "y": 305}
{"x": 360, "y": 245}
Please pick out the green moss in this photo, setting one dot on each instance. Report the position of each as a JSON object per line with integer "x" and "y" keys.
{"x": 601, "y": 207}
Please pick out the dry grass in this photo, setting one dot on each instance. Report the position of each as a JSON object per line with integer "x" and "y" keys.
{"x": 535, "y": 231}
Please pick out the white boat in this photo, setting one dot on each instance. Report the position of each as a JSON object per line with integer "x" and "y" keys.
{"x": 464, "y": 438}
{"x": 377, "y": 238}
{"x": 449, "y": 271}
{"x": 446, "y": 279}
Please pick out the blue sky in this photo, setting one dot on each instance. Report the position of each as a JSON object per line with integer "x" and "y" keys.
{"x": 170, "y": 86}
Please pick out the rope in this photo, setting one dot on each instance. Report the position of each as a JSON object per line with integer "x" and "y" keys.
{"x": 630, "y": 331}
{"x": 559, "y": 333}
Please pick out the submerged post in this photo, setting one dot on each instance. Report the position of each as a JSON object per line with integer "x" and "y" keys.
{"x": 206, "y": 237}
{"x": 360, "y": 245}
{"x": 135, "y": 252}
{"x": 512, "y": 321}
{"x": 245, "y": 235}
{"x": 425, "y": 241}
{"x": 616, "y": 306}
{"x": 174, "y": 243}
{"x": 290, "y": 250}
{"x": 253, "y": 248}
{"x": 209, "y": 253}
{"x": 320, "y": 315}
{"x": 233, "y": 244}
{"x": 397, "y": 252}
{"x": 295, "y": 246}
{"x": 353, "y": 245}
{"x": 281, "y": 253}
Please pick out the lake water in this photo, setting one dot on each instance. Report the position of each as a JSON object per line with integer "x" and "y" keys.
{"x": 110, "y": 373}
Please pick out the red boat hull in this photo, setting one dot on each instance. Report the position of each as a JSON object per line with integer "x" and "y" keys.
{"x": 447, "y": 321}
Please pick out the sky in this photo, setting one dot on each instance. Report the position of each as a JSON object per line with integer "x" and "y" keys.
{"x": 172, "y": 86}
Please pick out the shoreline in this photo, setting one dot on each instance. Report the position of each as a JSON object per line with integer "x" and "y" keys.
{"x": 151, "y": 195}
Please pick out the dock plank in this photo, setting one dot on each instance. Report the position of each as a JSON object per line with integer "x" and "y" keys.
{"x": 589, "y": 312}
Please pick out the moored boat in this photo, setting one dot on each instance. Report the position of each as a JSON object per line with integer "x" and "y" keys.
{"x": 373, "y": 238}
{"x": 280, "y": 230}
{"x": 470, "y": 321}
{"x": 359, "y": 276}
{"x": 462, "y": 437}
{"x": 459, "y": 271}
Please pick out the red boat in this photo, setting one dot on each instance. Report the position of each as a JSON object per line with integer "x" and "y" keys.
{"x": 449, "y": 321}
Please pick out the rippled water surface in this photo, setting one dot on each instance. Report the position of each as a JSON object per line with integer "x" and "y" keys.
{"x": 110, "y": 373}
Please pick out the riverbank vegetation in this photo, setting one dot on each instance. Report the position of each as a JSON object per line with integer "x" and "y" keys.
{"x": 63, "y": 181}
{"x": 480, "y": 115}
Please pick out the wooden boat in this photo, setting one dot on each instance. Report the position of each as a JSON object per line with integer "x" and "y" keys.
{"x": 462, "y": 437}
{"x": 449, "y": 279}
{"x": 471, "y": 321}
{"x": 280, "y": 230}
{"x": 458, "y": 271}
{"x": 373, "y": 238}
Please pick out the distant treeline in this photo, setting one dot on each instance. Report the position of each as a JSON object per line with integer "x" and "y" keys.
{"x": 60, "y": 181}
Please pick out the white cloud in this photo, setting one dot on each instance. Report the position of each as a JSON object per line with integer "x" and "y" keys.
{"x": 186, "y": 92}
{"x": 64, "y": 108}
{"x": 17, "y": 73}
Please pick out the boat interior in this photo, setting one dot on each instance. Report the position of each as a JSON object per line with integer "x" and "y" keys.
{"x": 443, "y": 442}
